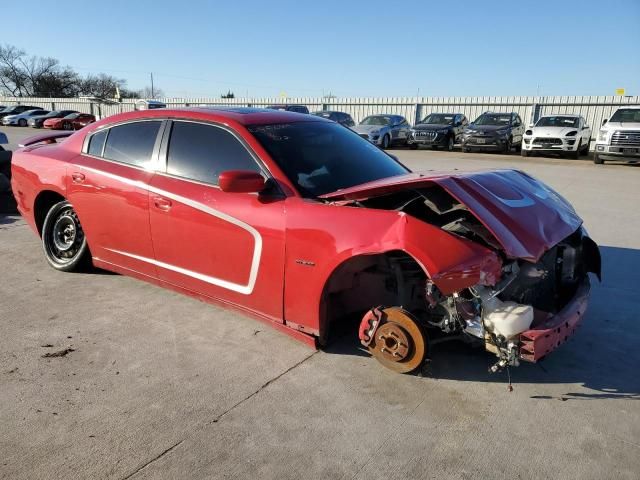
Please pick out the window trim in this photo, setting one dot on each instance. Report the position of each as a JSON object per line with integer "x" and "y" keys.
{"x": 163, "y": 153}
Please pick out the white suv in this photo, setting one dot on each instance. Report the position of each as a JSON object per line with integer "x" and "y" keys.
{"x": 619, "y": 137}
{"x": 563, "y": 134}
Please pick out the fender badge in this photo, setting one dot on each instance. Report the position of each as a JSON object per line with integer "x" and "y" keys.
{"x": 306, "y": 263}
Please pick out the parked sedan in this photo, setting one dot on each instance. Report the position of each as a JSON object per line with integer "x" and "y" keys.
{"x": 298, "y": 221}
{"x": 384, "y": 130}
{"x": 16, "y": 109}
{"x": 493, "y": 131}
{"x": 564, "y": 134}
{"x": 21, "y": 119}
{"x": 74, "y": 121}
{"x": 289, "y": 108}
{"x": 37, "y": 121}
{"x": 438, "y": 130}
{"x": 342, "y": 118}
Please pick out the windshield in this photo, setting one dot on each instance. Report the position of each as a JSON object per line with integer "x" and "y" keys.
{"x": 376, "y": 120}
{"x": 321, "y": 157}
{"x": 557, "y": 122}
{"x": 493, "y": 119}
{"x": 626, "y": 115}
{"x": 439, "y": 119}
{"x": 71, "y": 116}
{"x": 55, "y": 113}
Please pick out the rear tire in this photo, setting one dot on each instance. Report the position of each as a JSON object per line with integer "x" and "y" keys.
{"x": 22, "y": 122}
{"x": 63, "y": 240}
{"x": 67, "y": 126}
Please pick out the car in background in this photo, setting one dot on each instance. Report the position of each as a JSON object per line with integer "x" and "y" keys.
{"x": 74, "y": 121}
{"x": 564, "y": 134}
{"x": 289, "y": 108}
{"x": 37, "y": 121}
{"x": 619, "y": 137}
{"x": 16, "y": 109}
{"x": 21, "y": 119}
{"x": 438, "y": 130}
{"x": 342, "y": 118}
{"x": 384, "y": 130}
{"x": 494, "y": 131}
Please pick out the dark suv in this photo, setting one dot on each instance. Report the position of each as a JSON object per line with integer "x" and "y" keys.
{"x": 438, "y": 130}
{"x": 342, "y": 118}
{"x": 14, "y": 110}
{"x": 290, "y": 108}
{"x": 494, "y": 131}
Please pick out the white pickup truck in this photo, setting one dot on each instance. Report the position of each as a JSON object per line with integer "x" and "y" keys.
{"x": 619, "y": 137}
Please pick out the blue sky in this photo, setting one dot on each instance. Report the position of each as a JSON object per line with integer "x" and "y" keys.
{"x": 349, "y": 48}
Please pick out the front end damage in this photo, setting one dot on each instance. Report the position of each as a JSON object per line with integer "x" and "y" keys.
{"x": 535, "y": 302}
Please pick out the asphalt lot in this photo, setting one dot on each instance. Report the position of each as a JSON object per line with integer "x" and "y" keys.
{"x": 159, "y": 385}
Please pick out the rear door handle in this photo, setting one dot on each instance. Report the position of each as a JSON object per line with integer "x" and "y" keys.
{"x": 162, "y": 203}
{"x": 77, "y": 177}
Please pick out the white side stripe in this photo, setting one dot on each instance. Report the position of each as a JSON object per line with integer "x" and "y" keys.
{"x": 257, "y": 250}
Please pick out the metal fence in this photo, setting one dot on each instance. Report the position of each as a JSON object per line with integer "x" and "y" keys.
{"x": 593, "y": 108}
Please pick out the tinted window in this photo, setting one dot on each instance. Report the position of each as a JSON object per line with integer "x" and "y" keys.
{"x": 96, "y": 143}
{"x": 322, "y": 157}
{"x": 201, "y": 152}
{"x": 132, "y": 143}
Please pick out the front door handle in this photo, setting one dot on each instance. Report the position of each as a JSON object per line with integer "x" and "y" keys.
{"x": 162, "y": 203}
{"x": 77, "y": 177}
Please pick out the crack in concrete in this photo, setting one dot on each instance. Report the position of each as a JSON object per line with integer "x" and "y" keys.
{"x": 218, "y": 418}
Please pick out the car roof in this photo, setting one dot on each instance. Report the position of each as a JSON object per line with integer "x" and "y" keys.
{"x": 241, "y": 115}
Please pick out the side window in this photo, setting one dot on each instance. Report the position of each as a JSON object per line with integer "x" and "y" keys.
{"x": 96, "y": 142}
{"x": 132, "y": 143}
{"x": 201, "y": 152}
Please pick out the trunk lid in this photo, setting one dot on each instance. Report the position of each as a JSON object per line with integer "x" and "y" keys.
{"x": 525, "y": 216}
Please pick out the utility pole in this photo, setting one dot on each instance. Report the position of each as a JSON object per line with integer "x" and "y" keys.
{"x": 152, "y": 92}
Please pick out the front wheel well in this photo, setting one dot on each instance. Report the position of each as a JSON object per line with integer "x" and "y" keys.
{"x": 43, "y": 203}
{"x": 362, "y": 282}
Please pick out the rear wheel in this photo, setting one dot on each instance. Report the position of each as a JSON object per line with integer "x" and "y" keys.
{"x": 22, "y": 122}
{"x": 63, "y": 240}
{"x": 399, "y": 343}
{"x": 67, "y": 126}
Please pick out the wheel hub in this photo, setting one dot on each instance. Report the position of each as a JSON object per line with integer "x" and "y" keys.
{"x": 65, "y": 233}
{"x": 398, "y": 342}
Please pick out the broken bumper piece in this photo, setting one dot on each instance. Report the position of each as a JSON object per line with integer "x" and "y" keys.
{"x": 550, "y": 331}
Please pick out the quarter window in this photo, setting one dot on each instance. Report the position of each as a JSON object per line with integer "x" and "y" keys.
{"x": 201, "y": 152}
{"x": 132, "y": 143}
{"x": 96, "y": 143}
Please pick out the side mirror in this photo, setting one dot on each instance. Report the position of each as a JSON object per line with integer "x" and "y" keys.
{"x": 604, "y": 121}
{"x": 241, "y": 181}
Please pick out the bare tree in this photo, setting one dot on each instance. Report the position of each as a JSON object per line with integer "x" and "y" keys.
{"x": 147, "y": 93}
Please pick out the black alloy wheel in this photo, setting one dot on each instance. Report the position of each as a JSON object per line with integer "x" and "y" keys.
{"x": 63, "y": 240}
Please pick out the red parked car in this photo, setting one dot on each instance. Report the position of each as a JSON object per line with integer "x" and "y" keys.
{"x": 73, "y": 121}
{"x": 305, "y": 225}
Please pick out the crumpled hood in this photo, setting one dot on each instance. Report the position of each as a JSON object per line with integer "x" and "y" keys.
{"x": 487, "y": 128}
{"x": 526, "y": 216}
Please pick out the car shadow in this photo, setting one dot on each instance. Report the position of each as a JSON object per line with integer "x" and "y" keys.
{"x": 8, "y": 218}
{"x": 602, "y": 356}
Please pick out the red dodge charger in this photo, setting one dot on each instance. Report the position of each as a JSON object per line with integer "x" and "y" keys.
{"x": 303, "y": 224}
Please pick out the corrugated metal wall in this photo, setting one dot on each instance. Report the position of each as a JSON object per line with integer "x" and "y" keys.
{"x": 593, "y": 108}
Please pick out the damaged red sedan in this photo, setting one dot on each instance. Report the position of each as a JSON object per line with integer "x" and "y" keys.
{"x": 302, "y": 223}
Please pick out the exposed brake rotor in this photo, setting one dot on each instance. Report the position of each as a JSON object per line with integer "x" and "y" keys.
{"x": 398, "y": 342}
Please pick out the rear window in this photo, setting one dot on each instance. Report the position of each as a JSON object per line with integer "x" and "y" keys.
{"x": 132, "y": 143}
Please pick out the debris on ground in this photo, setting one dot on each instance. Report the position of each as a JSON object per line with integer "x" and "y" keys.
{"x": 59, "y": 353}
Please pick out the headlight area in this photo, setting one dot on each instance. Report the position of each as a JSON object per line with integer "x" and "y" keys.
{"x": 602, "y": 135}
{"x": 530, "y": 312}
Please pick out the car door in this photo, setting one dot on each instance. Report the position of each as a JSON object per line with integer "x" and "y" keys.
{"x": 517, "y": 130}
{"x": 585, "y": 131}
{"x": 227, "y": 246}
{"x": 108, "y": 187}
